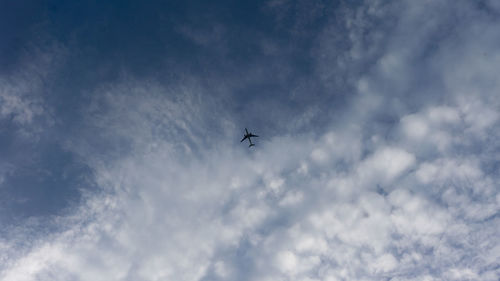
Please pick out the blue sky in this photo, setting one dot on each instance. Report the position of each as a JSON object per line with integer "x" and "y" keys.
{"x": 378, "y": 155}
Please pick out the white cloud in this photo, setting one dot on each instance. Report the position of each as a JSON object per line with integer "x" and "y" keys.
{"x": 287, "y": 262}
{"x": 415, "y": 127}
{"x": 384, "y": 263}
{"x": 20, "y": 100}
{"x": 385, "y": 165}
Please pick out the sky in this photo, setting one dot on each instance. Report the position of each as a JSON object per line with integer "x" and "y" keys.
{"x": 378, "y": 156}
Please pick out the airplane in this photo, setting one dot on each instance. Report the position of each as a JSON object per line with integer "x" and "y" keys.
{"x": 248, "y": 136}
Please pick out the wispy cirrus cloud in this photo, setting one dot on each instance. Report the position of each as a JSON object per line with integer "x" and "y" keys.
{"x": 23, "y": 89}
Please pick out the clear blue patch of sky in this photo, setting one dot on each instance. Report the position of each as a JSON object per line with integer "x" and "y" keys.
{"x": 44, "y": 181}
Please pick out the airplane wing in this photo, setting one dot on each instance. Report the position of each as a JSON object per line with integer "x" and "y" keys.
{"x": 252, "y": 135}
{"x": 244, "y": 138}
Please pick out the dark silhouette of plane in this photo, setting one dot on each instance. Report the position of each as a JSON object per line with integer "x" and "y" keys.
{"x": 248, "y": 136}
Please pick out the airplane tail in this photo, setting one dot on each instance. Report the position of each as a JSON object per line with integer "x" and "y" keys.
{"x": 250, "y": 145}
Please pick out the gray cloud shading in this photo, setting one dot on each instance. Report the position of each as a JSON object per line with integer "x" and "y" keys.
{"x": 389, "y": 171}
